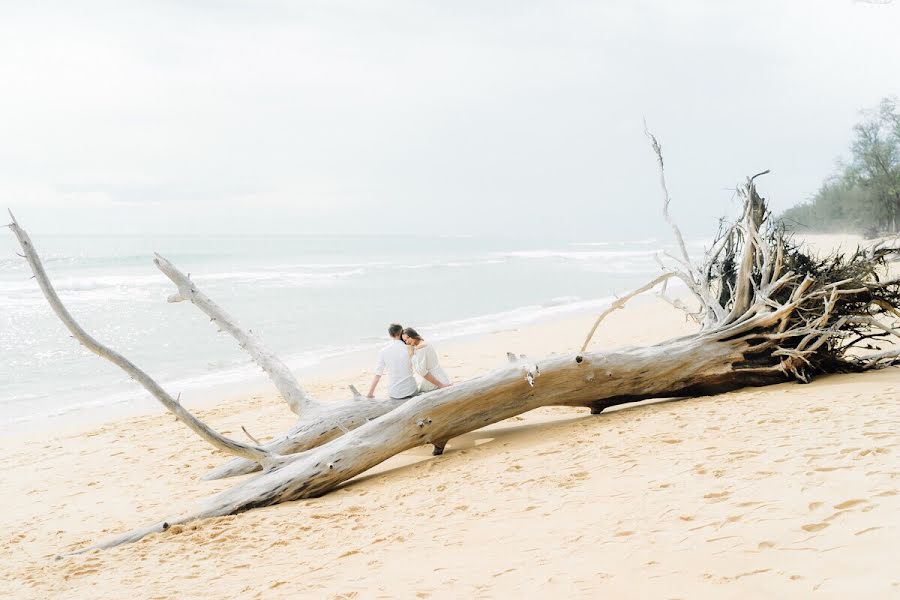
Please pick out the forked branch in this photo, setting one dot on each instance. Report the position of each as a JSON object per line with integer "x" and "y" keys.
{"x": 254, "y": 453}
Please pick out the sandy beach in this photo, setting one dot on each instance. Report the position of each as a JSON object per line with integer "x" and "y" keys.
{"x": 784, "y": 491}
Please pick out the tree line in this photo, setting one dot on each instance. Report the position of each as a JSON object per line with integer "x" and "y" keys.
{"x": 863, "y": 195}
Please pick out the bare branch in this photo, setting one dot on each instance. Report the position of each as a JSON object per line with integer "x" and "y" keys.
{"x": 657, "y": 149}
{"x": 619, "y": 303}
{"x": 247, "y": 433}
{"x": 878, "y": 324}
{"x": 277, "y": 371}
{"x": 200, "y": 428}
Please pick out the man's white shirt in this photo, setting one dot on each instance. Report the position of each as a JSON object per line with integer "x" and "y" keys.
{"x": 394, "y": 358}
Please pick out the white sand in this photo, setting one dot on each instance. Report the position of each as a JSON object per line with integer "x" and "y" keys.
{"x": 786, "y": 491}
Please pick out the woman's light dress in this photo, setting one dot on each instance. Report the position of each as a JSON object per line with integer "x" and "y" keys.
{"x": 425, "y": 362}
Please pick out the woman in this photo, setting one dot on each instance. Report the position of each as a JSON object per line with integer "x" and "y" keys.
{"x": 425, "y": 362}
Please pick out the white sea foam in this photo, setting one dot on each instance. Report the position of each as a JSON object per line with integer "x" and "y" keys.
{"x": 511, "y": 318}
{"x": 89, "y": 283}
{"x": 282, "y": 278}
{"x": 324, "y": 266}
{"x": 453, "y": 264}
{"x": 577, "y": 255}
{"x": 645, "y": 242}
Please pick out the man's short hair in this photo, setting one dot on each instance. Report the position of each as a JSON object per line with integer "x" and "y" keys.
{"x": 395, "y": 330}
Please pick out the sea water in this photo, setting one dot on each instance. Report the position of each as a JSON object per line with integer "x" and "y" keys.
{"x": 307, "y": 297}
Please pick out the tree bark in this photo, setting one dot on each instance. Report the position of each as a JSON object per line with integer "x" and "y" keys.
{"x": 312, "y": 431}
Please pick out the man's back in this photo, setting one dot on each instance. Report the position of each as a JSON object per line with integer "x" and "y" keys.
{"x": 394, "y": 358}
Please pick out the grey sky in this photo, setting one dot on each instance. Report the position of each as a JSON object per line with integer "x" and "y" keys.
{"x": 444, "y": 117}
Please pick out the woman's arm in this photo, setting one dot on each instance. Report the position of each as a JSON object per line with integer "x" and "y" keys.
{"x": 424, "y": 360}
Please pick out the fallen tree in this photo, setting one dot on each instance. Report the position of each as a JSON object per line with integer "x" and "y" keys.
{"x": 767, "y": 312}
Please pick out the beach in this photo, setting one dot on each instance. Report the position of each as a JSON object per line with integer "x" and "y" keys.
{"x": 783, "y": 491}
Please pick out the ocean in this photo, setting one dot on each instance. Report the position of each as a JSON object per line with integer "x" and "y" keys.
{"x": 308, "y": 297}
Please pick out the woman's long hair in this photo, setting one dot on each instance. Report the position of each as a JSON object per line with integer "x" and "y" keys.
{"x": 412, "y": 333}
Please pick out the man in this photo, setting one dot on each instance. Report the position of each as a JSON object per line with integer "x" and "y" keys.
{"x": 394, "y": 358}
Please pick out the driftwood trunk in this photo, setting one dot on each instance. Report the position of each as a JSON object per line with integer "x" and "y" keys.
{"x": 683, "y": 367}
{"x": 766, "y": 311}
{"x": 313, "y": 431}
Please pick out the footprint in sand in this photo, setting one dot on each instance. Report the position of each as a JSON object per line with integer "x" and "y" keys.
{"x": 717, "y": 496}
{"x": 91, "y": 565}
{"x": 850, "y": 503}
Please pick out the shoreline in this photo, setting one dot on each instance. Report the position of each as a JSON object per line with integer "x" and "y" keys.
{"x": 332, "y": 376}
{"x": 204, "y": 390}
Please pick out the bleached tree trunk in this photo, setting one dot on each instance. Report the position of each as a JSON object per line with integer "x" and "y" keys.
{"x": 685, "y": 367}
{"x": 313, "y": 431}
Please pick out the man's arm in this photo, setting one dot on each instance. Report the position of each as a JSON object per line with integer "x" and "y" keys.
{"x": 379, "y": 371}
{"x": 375, "y": 381}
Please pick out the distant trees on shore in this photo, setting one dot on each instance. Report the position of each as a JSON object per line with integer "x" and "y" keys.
{"x": 864, "y": 195}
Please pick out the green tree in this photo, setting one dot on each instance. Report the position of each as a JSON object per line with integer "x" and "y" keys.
{"x": 876, "y": 161}
{"x": 864, "y": 195}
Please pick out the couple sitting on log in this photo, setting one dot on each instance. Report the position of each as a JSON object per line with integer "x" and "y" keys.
{"x": 407, "y": 353}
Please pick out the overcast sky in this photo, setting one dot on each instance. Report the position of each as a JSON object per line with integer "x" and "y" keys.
{"x": 430, "y": 117}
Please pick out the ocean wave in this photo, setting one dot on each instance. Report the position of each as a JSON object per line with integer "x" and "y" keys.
{"x": 644, "y": 242}
{"x": 281, "y": 278}
{"x": 72, "y": 284}
{"x": 452, "y": 264}
{"x": 576, "y": 255}
{"x": 514, "y": 317}
{"x": 17, "y": 263}
{"x": 87, "y": 283}
{"x": 691, "y": 243}
{"x": 324, "y": 266}
{"x": 77, "y": 262}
